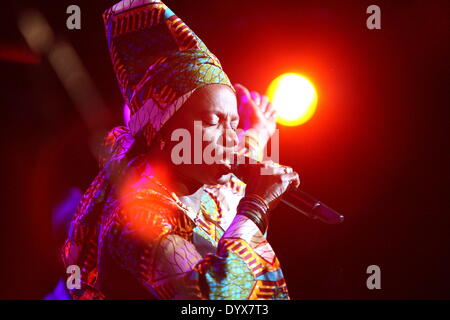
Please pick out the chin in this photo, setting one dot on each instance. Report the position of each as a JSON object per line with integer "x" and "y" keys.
{"x": 223, "y": 179}
{"x": 215, "y": 176}
{"x": 220, "y": 179}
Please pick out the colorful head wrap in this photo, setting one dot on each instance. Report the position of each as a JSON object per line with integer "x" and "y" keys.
{"x": 158, "y": 60}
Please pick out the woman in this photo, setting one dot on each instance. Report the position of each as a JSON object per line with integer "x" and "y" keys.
{"x": 150, "y": 227}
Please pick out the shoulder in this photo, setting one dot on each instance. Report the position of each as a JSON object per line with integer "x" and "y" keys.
{"x": 147, "y": 211}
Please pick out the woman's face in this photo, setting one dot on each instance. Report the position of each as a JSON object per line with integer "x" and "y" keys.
{"x": 205, "y": 126}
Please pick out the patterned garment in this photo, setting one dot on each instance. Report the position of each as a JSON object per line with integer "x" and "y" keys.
{"x": 178, "y": 254}
{"x": 141, "y": 242}
{"x": 157, "y": 248}
{"x": 158, "y": 60}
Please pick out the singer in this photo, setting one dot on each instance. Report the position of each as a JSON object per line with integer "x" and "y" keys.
{"x": 149, "y": 229}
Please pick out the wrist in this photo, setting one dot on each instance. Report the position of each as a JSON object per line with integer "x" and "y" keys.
{"x": 259, "y": 133}
{"x": 255, "y": 210}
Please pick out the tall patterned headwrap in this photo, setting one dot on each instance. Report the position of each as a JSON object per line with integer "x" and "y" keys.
{"x": 159, "y": 62}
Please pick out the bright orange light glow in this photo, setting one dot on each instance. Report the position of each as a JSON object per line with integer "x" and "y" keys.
{"x": 294, "y": 97}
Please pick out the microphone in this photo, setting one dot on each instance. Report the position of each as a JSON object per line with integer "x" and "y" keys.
{"x": 311, "y": 207}
{"x": 298, "y": 200}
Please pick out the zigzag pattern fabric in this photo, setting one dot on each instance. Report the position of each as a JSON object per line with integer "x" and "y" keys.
{"x": 146, "y": 243}
{"x": 158, "y": 60}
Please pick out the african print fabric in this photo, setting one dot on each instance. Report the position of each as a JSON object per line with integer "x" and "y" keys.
{"x": 159, "y": 62}
{"x": 178, "y": 254}
{"x": 143, "y": 242}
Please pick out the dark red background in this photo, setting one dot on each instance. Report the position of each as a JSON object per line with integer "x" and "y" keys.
{"x": 376, "y": 149}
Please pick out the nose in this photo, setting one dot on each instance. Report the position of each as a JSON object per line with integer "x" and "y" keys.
{"x": 230, "y": 138}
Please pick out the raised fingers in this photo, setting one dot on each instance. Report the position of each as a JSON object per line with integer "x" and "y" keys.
{"x": 264, "y": 104}
{"x": 242, "y": 92}
{"x": 256, "y": 97}
{"x": 271, "y": 112}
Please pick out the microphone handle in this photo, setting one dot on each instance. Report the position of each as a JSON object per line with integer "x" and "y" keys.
{"x": 311, "y": 207}
{"x": 296, "y": 199}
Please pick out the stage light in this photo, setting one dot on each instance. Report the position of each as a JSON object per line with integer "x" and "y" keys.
{"x": 294, "y": 97}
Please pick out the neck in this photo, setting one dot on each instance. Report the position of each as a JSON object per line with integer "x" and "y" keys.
{"x": 188, "y": 190}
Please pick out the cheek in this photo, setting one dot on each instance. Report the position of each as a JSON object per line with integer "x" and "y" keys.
{"x": 213, "y": 134}
{"x": 212, "y": 138}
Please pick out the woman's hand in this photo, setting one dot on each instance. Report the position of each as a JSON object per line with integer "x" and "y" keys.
{"x": 269, "y": 181}
{"x": 256, "y": 112}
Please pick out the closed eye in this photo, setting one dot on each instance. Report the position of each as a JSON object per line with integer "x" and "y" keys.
{"x": 211, "y": 120}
